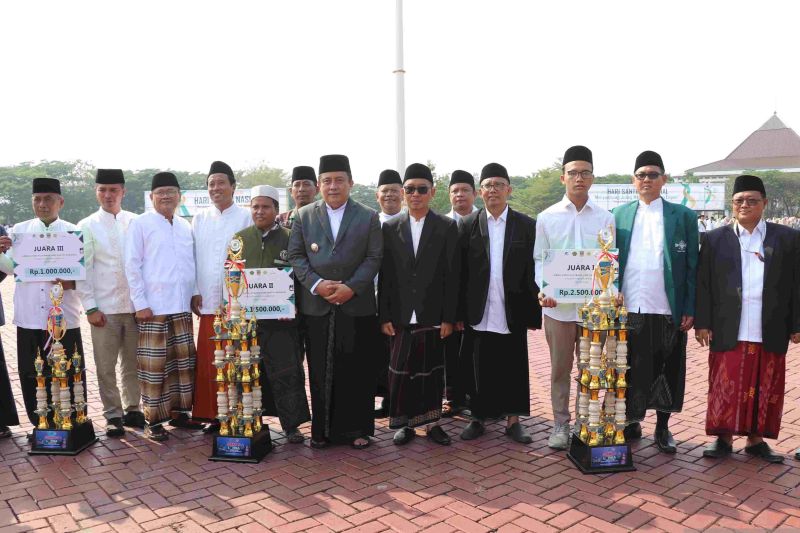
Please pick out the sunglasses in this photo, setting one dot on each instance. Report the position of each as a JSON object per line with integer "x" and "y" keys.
{"x": 422, "y": 189}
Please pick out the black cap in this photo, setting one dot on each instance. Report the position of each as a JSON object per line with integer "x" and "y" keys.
{"x": 747, "y": 182}
{"x": 109, "y": 176}
{"x": 46, "y": 185}
{"x": 303, "y": 173}
{"x": 577, "y": 153}
{"x": 494, "y": 170}
{"x": 389, "y": 177}
{"x": 418, "y": 171}
{"x": 462, "y": 176}
{"x": 164, "y": 179}
{"x": 334, "y": 163}
{"x": 649, "y": 158}
{"x": 218, "y": 167}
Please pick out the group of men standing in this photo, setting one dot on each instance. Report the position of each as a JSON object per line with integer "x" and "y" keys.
{"x": 415, "y": 306}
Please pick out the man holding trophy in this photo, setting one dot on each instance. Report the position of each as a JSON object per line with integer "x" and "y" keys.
{"x": 572, "y": 223}
{"x": 32, "y": 298}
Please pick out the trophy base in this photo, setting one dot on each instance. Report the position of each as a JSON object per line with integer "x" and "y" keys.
{"x": 239, "y": 449}
{"x": 600, "y": 459}
{"x": 63, "y": 441}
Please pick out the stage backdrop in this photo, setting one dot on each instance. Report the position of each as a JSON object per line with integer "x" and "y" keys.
{"x": 697, "y": 196}
{"x": 192, "y": 202}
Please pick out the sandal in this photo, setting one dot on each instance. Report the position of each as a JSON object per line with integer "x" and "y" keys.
{"x": 449, "y": 410}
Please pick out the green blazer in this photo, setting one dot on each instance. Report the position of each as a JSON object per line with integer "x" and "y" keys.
{"x": 681, "y": 250}
{"x": 263, "y": 255}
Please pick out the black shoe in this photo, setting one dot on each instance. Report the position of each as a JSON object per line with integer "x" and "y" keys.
{"x": 797, "y": 454}
{"x": 403, "y": 436}
{"x": 212, "y": 427}
{"x": 361, "y": 446}
{"x": 5, "y": 432}
{"x": 717, "y": 449}
{"x": 451, "y": 409}
{"x": 763, "y": 451}
{"x": 114, "y": 427}
{"x": 134, "y": 419}
{"x": 29, "y": 436}
{"x": 293, "y": 436}
{"x": 473, "y": 430}
{"x": 633, "y": 431}
{"x": 320, "y": 444}
{"x": 664, "y": 441}
{"x": 155, "y": 433}
{"x": 517, "y": 434}
{"x": 383, "y": 411}
{"x": 183, "y": 421}
{"x": 439, "y": 436}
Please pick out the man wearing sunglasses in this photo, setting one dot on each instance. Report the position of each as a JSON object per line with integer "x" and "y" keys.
{"x": 418, "y": 297}
{"x": 499, "y": 303}
{"x": 748, "y": 308}
{"x": 658, "y": 245}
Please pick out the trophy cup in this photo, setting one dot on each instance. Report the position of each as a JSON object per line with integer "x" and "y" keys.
{"x": 598, "y": 443}
{"x": 242, "y": 436}
{"x": 71, "y": 431}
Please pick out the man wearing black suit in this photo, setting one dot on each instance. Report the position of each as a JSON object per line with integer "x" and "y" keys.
{"x": 418, "y": 296}
{"x": 500, "y": 297}
{"x": 335, "y": 249}
{"x": 748, "y": 308}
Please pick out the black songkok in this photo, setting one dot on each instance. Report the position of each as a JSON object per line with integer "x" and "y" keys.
{"x": 462, "y": 176}
{"x": 109, "y": 176}
{"x": 46, "y": 185}
{"x": 218, "y": 167}
{"x": 577, "y": 153}
{"x": 749, "y": 183}
{"x": 334, "y": 163}
{"x": 303, "y": 173}
{"x": 649, "y": 158}
{"x": 494, "y": 170}
{"x": 164, "y": 179}
{"x": 389, "y": 177}
{"x": 418, "y": 171}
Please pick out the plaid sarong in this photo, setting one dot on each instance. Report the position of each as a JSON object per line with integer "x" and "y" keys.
{"x": 166, "y": 360}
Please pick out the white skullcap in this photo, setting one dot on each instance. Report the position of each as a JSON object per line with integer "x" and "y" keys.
{"x": 264, "y": 190}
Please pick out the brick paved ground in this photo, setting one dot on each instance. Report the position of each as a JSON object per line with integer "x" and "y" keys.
{"x": 486, "y": 485}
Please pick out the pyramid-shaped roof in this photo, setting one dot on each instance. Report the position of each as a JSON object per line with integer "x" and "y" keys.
{"x": 772, "y": 146}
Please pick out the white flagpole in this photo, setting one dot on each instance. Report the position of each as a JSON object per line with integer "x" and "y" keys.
{"x": 399, "y": 73}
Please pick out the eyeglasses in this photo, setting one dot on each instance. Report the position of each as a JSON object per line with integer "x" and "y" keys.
{"x": 410, "y": 189}
{"x": 166, "y": 194}
{"x": 746, "y": 201}
{"x": 585, "y": 174}
{"x": 494, "y": 186}
{"x": 648, "y": 175}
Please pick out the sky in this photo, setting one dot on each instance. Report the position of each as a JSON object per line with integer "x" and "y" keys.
{"x": 177, "y": 84}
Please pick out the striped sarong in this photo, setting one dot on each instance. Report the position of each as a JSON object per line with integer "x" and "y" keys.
{"x": 166, "y": 360}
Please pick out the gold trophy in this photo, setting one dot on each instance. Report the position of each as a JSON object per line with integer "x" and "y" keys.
{"x": 65, "y": 437}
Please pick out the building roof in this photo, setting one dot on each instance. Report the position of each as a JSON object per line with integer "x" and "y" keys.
{"x": 773, "y": 146}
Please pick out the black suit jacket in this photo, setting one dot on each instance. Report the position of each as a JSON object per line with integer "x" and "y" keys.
{"x": 426, "y": 284}
{"x": 719, "y": 287}
{"x": 521, "y": 292}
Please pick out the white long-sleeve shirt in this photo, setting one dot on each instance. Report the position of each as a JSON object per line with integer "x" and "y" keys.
{"x": 494, "y": 313}
{"x": 212, "y": 232}
{"x": 752, "y": 250}
{"x": 643, "y": 286}
{"x": 562, "y": 227}
{"x": 455, "y": 216}
{"x": 159, "y": 262}
{"x": 32, "y": 298}
{"x": 106, "y": 286}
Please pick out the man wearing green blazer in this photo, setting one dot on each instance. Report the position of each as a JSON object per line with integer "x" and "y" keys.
{"x": 658, "y": 252}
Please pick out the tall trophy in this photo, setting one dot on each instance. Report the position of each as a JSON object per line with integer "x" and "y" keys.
{"x": 243, "y": 437}
{"x": 598, "y": 444}
{"x": 63, "y": 427}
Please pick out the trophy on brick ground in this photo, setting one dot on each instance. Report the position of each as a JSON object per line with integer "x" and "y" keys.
{"x": 242, "y": 436}
{"x": 598, "y": 444}
{"x": 70, "y": 432}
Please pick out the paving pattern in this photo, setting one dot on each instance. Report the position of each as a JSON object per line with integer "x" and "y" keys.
{"x": 491, "y": 484}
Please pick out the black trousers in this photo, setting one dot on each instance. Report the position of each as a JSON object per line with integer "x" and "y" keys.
{"x": 8, "y": 407}
{"x": 502, "y": 383}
